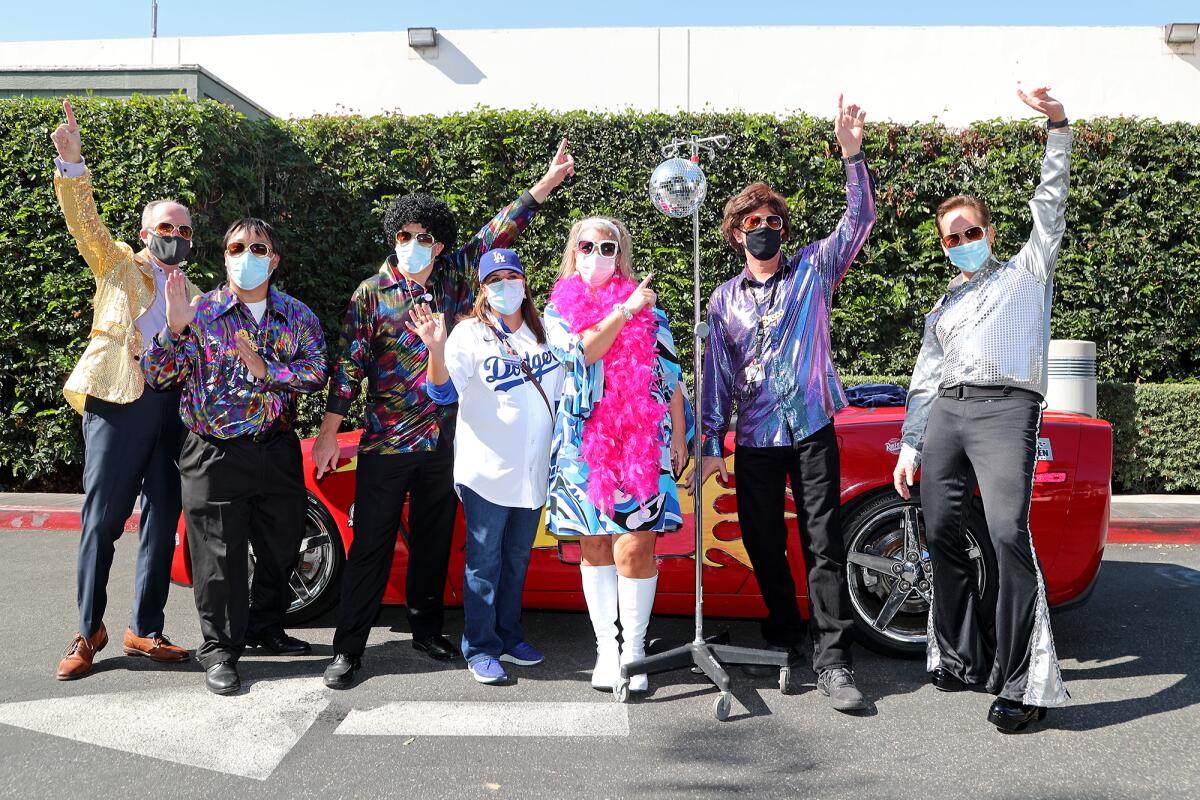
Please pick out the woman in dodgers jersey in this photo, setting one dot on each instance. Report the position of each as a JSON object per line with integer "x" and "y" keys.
{"x": 496, "y": 364}
{"x": 619, "y": 439}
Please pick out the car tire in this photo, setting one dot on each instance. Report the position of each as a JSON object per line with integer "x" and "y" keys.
{"x": 874, "y": 526}
{"x": 317, "y": 580}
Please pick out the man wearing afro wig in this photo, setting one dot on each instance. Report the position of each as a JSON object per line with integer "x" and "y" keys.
{"x": 406, "y": 450}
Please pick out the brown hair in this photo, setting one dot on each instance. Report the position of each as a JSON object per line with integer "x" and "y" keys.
{"x": 964, "y": 201}
{"x": 745, "y": 201}
{"x": 529, "y": 313}
{"x": 624, "y": 245}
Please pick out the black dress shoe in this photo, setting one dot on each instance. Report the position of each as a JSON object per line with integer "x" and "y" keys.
{"x": 340, "y": 672}
{"x": 223, "y": 678}
{"x": 279, "y": 643}
{"x": 795, "y": 658}
{"x": 436, "y": 647}
{"x": 943, "y": 681}
{"x": 1009, "y": 716}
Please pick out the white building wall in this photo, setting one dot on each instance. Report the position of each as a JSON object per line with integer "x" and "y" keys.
{"x": 957, "y": 75}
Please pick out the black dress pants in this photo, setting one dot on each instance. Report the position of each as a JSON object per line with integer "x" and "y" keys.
{"x": 237, "y": 491}
{"x": 813, "y": 468}
{"x": 384, "y": 482}
{"x": 989, "y": 444}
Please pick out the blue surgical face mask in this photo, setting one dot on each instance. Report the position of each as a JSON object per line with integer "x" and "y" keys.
{"x": 413, "y": 257}
{"x": 971, "y": 256}
{"x": 505, "y": 296}
{"x": 248, "y": 271}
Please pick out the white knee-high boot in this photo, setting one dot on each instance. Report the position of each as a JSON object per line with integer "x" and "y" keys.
{"x": 636, "y": 599}
{"x": 600, "y": 592}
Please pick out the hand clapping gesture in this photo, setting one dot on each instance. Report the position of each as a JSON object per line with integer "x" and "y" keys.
{"x": 1040, "y": 101}
{"x": 848, "y": 126}
{"x": 66, "y": 137}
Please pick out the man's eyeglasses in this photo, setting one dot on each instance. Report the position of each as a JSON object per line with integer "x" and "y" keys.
{"x": 257, "y": 248}
{"x": 423, "y": 239}
{"x": 755, "y": 221}
{"x": 167, "y": 229}
{"x": 971, "y": 234}
{"x": 607, "y": 248}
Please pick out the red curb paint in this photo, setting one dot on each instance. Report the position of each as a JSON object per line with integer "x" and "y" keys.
{"x": 1154, "y": 531}
{"x": 35, "y": 520}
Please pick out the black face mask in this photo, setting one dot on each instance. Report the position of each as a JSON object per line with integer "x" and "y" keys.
{"x": 763, "y": 243}
{"x": 170, "y": 250}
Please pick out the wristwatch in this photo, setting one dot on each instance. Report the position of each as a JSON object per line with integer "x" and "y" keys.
{"x": 1062, "y": 123}
{"x": 625, "y": 312}
{"x": 856, "y": 158}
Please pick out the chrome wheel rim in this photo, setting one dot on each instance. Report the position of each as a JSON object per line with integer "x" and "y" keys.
{"x": 890, "y": 576}
{"x": 314, "y": 570}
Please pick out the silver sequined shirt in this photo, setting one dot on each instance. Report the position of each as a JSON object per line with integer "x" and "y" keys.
{"x": 994, "y": 328}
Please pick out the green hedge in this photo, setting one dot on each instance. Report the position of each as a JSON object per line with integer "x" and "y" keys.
{"x": 1129, "y": 276}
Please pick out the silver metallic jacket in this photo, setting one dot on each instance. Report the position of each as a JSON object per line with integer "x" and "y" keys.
{"x": 994, "y": 328}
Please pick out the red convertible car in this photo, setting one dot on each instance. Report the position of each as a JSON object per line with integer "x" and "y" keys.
{"x": 884, "y": 536}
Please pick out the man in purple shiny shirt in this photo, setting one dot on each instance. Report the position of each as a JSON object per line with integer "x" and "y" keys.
{"x": 769, "y": 354}
{"x": 242, "y": 353}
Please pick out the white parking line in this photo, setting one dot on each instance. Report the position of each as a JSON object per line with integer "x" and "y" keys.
{"x": 247, "y": 734}
{"x": 430, "y": 718}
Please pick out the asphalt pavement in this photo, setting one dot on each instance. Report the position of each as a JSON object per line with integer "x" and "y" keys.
{"x": 415, "y": 730}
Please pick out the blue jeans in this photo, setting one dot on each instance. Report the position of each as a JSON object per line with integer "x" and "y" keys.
{"x": 499, "y": 540}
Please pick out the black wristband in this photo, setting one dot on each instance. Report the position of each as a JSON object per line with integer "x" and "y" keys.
{"x": 857, "y": 158}
{"x": 1062, "y": 123}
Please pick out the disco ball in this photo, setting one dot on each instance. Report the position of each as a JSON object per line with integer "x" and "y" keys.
{"x": 677, "y": 187}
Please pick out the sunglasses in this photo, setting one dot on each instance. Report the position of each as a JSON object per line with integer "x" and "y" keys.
{"x": 971, "y": 234}
{"x": 423, "y": 239}
{"x": 755, "y": 221}
{"x": 257, "y": 248}
{"x": 607, "y": 248}
{"x": 167, "y": 229}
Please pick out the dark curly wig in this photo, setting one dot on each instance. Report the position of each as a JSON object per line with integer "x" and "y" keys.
{"x": 421, "y": 209}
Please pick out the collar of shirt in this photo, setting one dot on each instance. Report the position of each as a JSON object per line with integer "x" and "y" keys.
{"x": 751, "y": 282}
{"x": 390, "y": 275}
{"x": 961, "y": 279}
{"x": 225, "y": 300}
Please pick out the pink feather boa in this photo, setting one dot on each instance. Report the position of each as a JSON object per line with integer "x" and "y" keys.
{"x": 621, "y": 443}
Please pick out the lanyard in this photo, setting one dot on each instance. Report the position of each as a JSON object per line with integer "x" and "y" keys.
{"x": 506, "y": 345}
{"x": 423, "y": 297}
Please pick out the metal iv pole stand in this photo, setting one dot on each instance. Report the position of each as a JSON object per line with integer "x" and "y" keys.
{"x": 707, "y": 656}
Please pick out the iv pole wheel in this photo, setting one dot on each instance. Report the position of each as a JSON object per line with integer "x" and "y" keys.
{"x": 785, "y": 680}
{"x": 621, "y": 690}
{"x": 722, "y": 706}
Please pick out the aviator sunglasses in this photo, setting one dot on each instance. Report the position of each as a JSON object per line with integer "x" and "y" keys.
{"x": 606, "y": 248}
{"x": 257, "y": 248}
{"x": 423, "y": 239}
{"x": 755, "y": 221}
{"x": 165, "y": 229}
{"x": 971, "y": 234}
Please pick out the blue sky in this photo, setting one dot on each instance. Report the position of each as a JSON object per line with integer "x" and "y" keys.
{"x": 85, "y": 19}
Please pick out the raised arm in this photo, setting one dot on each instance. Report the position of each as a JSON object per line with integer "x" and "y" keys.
{"x": 73, "y": 187}
{"x": 1049, "y": 203}
{"x": 507, "y": 225}
{"x": 432, "y": 330}
{"x": 167, "y": 363}
{"x": 833, "y": 255}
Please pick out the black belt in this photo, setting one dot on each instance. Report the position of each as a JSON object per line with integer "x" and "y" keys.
{"x": 964, "y": 392}
{"x": 262, "y": 437}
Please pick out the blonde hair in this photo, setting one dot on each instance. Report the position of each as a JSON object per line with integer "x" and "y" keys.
{"x": 606, "y": 224}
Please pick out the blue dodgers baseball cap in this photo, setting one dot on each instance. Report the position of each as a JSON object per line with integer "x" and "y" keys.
{"x": 498, "y": 259}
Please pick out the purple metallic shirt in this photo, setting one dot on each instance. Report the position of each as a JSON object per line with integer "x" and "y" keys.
{"x": 783, "y": 381}
{"x": 220, "y": 397}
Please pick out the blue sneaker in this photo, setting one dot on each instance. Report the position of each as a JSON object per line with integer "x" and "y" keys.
{"x": 523, "y": 654}
{"x": 488, "y": 670}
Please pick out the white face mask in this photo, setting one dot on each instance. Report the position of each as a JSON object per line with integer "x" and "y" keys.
{"x": 594, "y": 268}
{"x": 506, "y": 296}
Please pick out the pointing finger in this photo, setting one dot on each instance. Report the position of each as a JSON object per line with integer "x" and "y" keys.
{"x": 562, "y": 148}
{"x": 70, "y": 115}
{"x": 645, "y": 281}
{"x": 839, "y": 105}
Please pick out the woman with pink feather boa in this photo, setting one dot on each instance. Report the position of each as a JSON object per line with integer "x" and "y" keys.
{"x": 619, "y": 436}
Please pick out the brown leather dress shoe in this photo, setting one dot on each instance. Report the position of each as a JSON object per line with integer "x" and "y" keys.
{"x": 156, "y": 648}
{"x": 78, "y": 660}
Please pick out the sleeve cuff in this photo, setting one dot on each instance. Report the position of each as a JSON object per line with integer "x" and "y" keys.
{"x": 336, "y": 403}
{"x": 68, "y": 170}
{"x": 443, "y": 394}
{"x": 527, "y": 200}
{"x": 711, "y": 446}
{"x": 910, "y": 455}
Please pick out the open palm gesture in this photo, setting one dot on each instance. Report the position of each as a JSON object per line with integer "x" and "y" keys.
{"x": 429, "y": 326}
{"x": 848, "y": 126}
{"x": 180, "y": 310}
{"x": 1040, "y": 101}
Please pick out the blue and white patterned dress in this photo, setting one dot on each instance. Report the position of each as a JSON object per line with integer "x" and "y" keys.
{"x": 569, "y": 512}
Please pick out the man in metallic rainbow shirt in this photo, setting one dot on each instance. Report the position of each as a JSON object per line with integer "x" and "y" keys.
{"x": 406, "y": 450}
{"x": 769, "y": 349}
